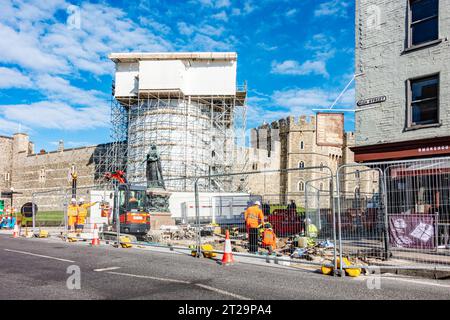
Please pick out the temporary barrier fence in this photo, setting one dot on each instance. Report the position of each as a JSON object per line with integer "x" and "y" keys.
{"x": 391, "y": 214}
{"x": 47, "y": 211}
{"x": 398, "y": 215}
{"x": 321, "y": 219}
{"x": 285, "y": 211}
{"x": 96, "y": 204}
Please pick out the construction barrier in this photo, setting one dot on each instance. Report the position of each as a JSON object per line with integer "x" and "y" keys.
{"x": 45, "y": 212}
{"x": 395, "y": 214}
{"x": 281, "y": 226}
{"x": 386, "y": 214}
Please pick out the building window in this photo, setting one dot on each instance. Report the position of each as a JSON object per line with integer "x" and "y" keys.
{"x": 302, "y": 145}
{"x": 321, "y": 187}
{"x": 321, "y": 166}
{"x": 255, "y": 166}
{"x": 301, "y": 164}
{"x": 301, "y": 186}
{"x": 423, "y": 105}
{"x": 423, "y": 21}
{"x": 42, "y": 176}
{"x": 7, "y": 176}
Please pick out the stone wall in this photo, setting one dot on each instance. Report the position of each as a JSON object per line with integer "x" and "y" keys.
{"x": 5, "y": 162}
{"x": 264, "y": 155}
{"x": 44, "y": 171}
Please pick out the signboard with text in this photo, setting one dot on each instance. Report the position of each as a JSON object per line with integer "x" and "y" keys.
{"x": 330, "y": 129}
{"x": 367, "y": 102}
{"x": 416, "y": 231}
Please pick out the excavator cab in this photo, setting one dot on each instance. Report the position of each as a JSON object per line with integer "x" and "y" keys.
{"x": 134, "y": 217}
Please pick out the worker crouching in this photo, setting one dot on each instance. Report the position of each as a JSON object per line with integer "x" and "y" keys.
{"x": 269, "y": 240}
{"x": 253, "y": 218}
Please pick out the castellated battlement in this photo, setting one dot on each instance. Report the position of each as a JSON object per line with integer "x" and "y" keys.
{"x": 302, "y": 123}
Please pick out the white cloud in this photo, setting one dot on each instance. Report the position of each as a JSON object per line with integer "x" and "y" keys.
{"x": 291, "y": 12}
{"x": 222, "y": 3}
{"x": 59, "y": 89}
{"x": 291, "y": 67}
{"x": 185, "y": 29}
{"x": 311, "y": 98}
{"x": 215, "y": 3}
{"x": 25, "y": 49}
{"x": 249, "y": 7}
{"x": 236, "y": 12}
{"x": 56, "y": 115}
{"x": 8, "y": 128}
{"x": 332, "y": 8}
{"x": 206, "y": 29}
{"x": 220, "y": 16}
{"x": 49, "y": 53}
{"x": 155, "y": 25}
{"x": 13, "y": 78}
{"x": 56, "y": 48}
{"x": 294, "y": 102}
{"x": 266, "y": 47}
{"x": 207, "y": 43}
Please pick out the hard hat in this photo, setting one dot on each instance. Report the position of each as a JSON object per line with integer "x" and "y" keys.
{"x": 81, "y": 199}
{"x": 257, "y": 203}
{"x": 73, "y": 200}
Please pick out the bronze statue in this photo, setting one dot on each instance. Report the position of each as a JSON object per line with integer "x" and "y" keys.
{"x": 157, "y": 196}
{"x": 153, "y": 169}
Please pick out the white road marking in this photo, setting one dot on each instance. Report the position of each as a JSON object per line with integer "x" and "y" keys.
{"x": 39, "y": 255}
{"x": 183, "y": 282}
{"x": 418, "y": 282}
{"x": 148, "y": 277}
{"x": 106, "y": 269}
{"x": 222, "y": 292}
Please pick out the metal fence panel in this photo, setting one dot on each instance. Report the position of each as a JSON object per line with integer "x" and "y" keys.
{"x": 48, "y": 211}
{"x": 285, "y": 211}
{"x": 404, "y": 221}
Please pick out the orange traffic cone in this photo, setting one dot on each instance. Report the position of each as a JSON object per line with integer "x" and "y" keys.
{"x": 16, "y": 231}
{"x": 95, "y": 239}
{"x": 227, "y": 254}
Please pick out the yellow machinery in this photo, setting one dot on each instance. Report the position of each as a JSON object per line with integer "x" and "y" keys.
{"x": 207, "y": 250}
{"x": 352, "y": 272}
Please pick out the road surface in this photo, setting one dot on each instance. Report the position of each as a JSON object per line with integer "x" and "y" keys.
{"x": 37, "y": 269}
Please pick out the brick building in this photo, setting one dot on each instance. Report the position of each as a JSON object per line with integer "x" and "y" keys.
{"x": 403, "y": 82}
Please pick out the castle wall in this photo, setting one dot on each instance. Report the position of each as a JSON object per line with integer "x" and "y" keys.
{"x": 37, "y": 173}
{"x": 6, "y": 144}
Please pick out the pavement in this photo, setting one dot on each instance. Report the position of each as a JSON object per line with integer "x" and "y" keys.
{"x": 48, "y": 268}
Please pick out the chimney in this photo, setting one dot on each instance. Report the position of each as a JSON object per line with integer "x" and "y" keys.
{"x": 61, "y": 146}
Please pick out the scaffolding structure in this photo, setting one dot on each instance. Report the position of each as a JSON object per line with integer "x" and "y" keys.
{"x": 195, "y": 136}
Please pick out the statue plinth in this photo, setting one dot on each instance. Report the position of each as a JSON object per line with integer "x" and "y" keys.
{"x": 158, "y": 192}
{"x": 158, "y": 205}
{"x": 157, "y": 196}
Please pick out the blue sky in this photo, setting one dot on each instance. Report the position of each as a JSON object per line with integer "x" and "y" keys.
{"x": 55, "y": 77}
